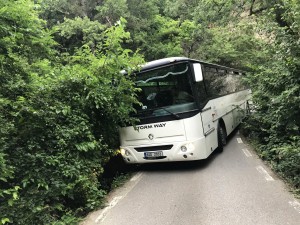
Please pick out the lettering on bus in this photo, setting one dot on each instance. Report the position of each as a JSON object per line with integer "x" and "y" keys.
{"x": 144, "y": 127}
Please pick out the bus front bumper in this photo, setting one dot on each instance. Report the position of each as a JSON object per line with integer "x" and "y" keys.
{"x": 180, "y": 151}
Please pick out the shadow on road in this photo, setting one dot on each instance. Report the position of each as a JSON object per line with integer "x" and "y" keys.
{"x": 177, "y": 166}
{"x": 182, "y": 165}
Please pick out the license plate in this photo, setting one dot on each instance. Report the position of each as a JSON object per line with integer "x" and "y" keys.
{"x": 153, "y": 154}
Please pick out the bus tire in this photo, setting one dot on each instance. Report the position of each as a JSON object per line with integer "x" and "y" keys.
{"x": 221, "y": 138}
{"x": 248, "y": 110}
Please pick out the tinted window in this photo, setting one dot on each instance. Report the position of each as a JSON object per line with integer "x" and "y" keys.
{"x": 168, "y": 87}
{"x": 221, "y": 82}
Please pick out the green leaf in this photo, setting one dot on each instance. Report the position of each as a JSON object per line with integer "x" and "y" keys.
{"x": 5, "y": 220}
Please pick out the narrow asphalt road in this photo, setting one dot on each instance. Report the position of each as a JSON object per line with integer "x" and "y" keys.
{"x": 234, "y": 187}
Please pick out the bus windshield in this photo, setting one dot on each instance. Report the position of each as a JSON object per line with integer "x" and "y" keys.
{"x": 165, "y": 91}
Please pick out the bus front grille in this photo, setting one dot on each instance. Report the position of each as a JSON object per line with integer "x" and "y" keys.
{"x": 153, "y": 148}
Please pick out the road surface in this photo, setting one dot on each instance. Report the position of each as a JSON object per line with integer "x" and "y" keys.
{"x": 234, "y": 187}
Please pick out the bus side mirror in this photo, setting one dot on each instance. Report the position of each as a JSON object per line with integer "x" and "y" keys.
{"x": 197, "y": 72}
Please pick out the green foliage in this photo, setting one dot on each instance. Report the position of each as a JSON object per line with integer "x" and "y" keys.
{"x": 179, "y": 9}
{"x": 232, "y": 45}
{"x": 55, "y": 11}
{"x": 73, "y": 33}
{"x": 165, "y": 39}
{"x": 24, "y": 43}
{"x": 276, "y": 91}
{"x": 218, "y": 12}
{"x": 59, "y": 117}
{"x": 109, "y": 14}
{"x": 141, "y": 13}
{"x": 120, "y": 179}
{"x": 169, "y": 37}
{"x": 287, "y": 162}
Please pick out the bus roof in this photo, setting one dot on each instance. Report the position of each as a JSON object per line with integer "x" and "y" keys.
{"x": 171, "y": 60}
{"x": 162, "y": 62}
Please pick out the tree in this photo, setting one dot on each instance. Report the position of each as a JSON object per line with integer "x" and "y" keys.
{"x": 168, "y": 37}
{"x": 74, "y": 33}
{"x": 276, "y": 88}
{"x": 55, "y": 11}
{"x": 59, "y": 114}
{"x": 24, "y": 46}
{"x": 179, "y": 9}
{"x": 219, "y": 12}
{"x": 108, "y": 13}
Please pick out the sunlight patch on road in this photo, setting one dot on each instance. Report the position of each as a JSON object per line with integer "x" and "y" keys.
{"x": 296, "y": 205}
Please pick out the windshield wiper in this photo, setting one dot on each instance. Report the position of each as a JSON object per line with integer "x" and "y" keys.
{"x": 144, "y": 112}
{"x": 149, "y": 113}
{"x": 173, "y": 114}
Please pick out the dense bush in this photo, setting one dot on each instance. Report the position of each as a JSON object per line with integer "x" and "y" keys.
{"x": 59, "y": 117}
{"x": 282, "y": 153}
{"x": 276, "y": 90}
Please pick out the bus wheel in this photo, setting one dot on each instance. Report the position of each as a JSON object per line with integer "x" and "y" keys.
{"x": 221, "y": 138}
{"x": 248, "y": 111}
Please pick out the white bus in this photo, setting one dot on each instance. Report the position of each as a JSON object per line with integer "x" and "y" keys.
{"x": 189, "y": 107}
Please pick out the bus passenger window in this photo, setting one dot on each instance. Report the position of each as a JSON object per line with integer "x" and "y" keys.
{"x": 215, "y": 81}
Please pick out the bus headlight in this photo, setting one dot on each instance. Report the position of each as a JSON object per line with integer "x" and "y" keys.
{"x": 125, "y": 152}
{"x": 122, "y": 150}
{"x": 183, "y": 148}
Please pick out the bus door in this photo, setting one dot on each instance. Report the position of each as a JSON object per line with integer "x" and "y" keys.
{"x": 209, "y": 129}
